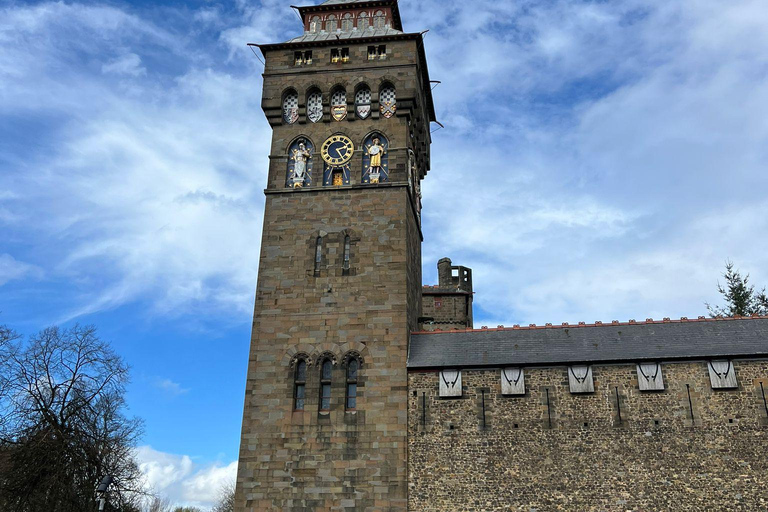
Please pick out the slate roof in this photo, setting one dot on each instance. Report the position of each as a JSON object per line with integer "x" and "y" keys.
{"x": 349, "y": 34}
{"x": 704, "y": 338}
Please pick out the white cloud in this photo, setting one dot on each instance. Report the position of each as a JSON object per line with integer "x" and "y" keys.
{"x": 11, "y": 269}
{"x": 181, "y": 480}
{"x": 128, "y": 64}
{"x": 583, "y": 140}
{"x": 170, "y": 387}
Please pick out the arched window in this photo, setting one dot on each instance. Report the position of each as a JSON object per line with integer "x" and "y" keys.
{"x": 314, "y": 105}
{"x": 345, "y": 261}
{"x": 318, "y": 254}
{"x": 387, "y": 101}
{"x": 331, "y": 24}
{"x": 363, "y": 21}
{"x": 326, "y": 370}
{"x": 379, "y": 19}
{"x": 300, "y": 385}
{"x": 375, "y": 158}
{"x": 363, "y": 102}
{"x": 315, "y": 24}
{"x": 353, "y": 366}
{"x": 347, "y": 22}
{"x": 291, "y": 107}
{"x": 299, "y": 172}
{"x": 339, "y": 104}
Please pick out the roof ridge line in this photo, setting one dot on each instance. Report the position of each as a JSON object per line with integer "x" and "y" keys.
{"x": 566, "y": 325}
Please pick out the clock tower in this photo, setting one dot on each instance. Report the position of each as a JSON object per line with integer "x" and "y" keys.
{"x": 339, "y": 286}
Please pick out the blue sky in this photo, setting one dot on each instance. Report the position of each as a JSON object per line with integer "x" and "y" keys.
{"x": 600, "y": 161}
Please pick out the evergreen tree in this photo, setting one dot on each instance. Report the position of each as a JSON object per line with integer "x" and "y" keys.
{"x": 740, "y": 297}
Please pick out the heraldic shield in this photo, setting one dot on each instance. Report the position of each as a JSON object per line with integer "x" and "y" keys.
{"x": 339, "y": 112}
{"x": 291, "y": 108}
{"x": 363, "y": 102}
{"x": 387, "y": 102}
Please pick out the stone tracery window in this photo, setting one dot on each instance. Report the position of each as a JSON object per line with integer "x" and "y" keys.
{"x": 363, "y": 21}
{"x": 326, "y": 372}
{"x": 315, "y": 24}
{"x": 347, "y": 22}
{"x": 332, "y": 23}
{"x": 353, "y": 366}
{"x": 379, "y": 19}
{"x": 300, "y": 385}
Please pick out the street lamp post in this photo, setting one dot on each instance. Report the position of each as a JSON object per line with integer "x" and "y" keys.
{"x": 101, "y": 491}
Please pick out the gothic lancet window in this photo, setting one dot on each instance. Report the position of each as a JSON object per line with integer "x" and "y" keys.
{"x": 315, "y": 106}
{"x": 300, "y": 385}
{"x": 331, "y": 24}
{"x": 363, "y": 21}
{"x": 291, "y": 107}
{"x": 339, "y": 104}
{"x": 387, "y": 101}
{"x": 363, "y": 102}
{"x": 345, "y": 262}
{"x": 375, "y": 159}
{"x": 379, "y": 19}
{"x": 318, "y": 254}
{"x": 326, "y": 370}
{"x": 347, "y": 22}
{"x": 315, "y": 24}
{"x": 353, "y": 366}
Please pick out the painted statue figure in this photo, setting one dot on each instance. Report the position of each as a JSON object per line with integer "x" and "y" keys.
{"x": 375, "y": 151}
{"x": 300, "y": 157}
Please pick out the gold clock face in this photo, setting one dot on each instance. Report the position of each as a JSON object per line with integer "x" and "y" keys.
{"x": 337, "y": 150}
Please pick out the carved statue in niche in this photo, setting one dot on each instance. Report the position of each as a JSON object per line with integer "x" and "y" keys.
{"x": 300, "y": 164}
{"x": 376, "y": 151}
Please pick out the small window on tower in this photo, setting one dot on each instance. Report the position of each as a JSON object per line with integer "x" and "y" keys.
{"x": 325, "y": 385}
{"x": 308, "y": 57}
{"x": 379, "y": 19}
{"x": 377, "y": 52}
{"x": 345, "y": 55}
{"x": 332, "y": 23}
{"x": 438, "y": 303}
{"x": 382, "y": 51}
{"x": 318, "y": 254}
{"x": 335, "y": 55}
{"x": 347, "y": 22}
{"x": 298, "y": 58}
{"x": 345, "y": 263}
{"x": 371, "y": 52}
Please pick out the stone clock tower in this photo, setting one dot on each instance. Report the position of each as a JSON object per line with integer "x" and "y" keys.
{"x": 339, "y": 289}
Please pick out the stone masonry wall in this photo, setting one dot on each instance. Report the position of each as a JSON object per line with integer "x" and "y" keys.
{"x": 450, "y": 314}
{"x": 656, "y": 458}
{"x": 338, "y": 460}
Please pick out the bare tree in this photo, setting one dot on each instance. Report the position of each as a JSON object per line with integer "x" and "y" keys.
{"x": 226, "y": 501}
{"x": 62, "y": 426}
